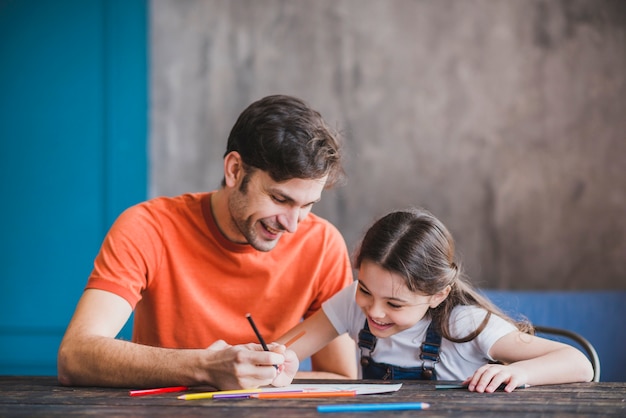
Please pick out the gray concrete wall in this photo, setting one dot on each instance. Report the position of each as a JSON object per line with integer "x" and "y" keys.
{"x": 506, "y": 119}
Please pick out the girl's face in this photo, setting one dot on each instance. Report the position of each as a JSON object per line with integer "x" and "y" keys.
{"x": 390, "y": 307}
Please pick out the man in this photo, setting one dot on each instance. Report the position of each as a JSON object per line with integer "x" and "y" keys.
{"x": 191, "y": 267}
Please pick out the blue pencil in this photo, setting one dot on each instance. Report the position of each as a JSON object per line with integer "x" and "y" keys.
{"x": 364, "y": 407}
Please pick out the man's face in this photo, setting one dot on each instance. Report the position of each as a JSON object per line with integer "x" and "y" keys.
{"x": 265, "y": 209}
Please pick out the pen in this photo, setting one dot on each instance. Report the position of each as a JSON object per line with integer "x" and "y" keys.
{"x": 258, "y": 334}
{"x": 363, "y": 407}
{"x": 464, "y": 386}
{"x": 144, "y": 392}
{"x": 300, "y": 395}
{"x": 210, "y": 395}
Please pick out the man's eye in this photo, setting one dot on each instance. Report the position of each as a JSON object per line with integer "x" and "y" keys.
{"x": 278, "y": 199}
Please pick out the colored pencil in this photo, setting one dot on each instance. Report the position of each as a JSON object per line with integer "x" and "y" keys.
{"x": 258, "y": 334}
{"x": 300, "y": 395}
{"x": 464, "y": 386}
{"x": 248, "y": 395}
{"x": 144, "y": 392}
{"x": 363, "y": 407}
{"x": 256, "y": 331}
{"x": 295, "y": 338}
{"x": 210, "y": 395}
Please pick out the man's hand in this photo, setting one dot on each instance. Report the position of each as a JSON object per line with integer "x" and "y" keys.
{"x": 245, "y": 366}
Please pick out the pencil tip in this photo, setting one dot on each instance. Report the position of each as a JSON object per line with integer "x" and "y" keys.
{"x": 248, "y": 315}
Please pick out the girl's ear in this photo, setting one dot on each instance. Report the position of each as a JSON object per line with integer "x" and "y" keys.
{"x": 233, "y": 169}
{"x": 439, "y": 297}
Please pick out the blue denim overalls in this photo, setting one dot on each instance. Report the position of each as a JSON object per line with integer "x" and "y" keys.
{"x": 384, "y": 371}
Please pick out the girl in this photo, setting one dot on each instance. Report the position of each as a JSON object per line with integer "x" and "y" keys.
{"x": 414, "y": 316}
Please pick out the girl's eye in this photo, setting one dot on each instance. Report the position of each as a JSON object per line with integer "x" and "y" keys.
{"x": 362, "y": 290}
{"x": 394, "y": 306}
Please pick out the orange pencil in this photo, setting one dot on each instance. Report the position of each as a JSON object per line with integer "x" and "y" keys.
{"x": 295, "y": 338}
{"x": 300, "y": 395}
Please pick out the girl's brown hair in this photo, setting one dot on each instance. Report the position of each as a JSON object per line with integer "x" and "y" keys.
{"x": 417, "y": 246}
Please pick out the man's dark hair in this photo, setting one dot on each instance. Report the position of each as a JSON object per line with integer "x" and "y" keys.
{"x": 284, "y": 137}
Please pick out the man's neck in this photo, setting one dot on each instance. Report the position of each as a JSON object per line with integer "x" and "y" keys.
{"x": 221, "y": 215}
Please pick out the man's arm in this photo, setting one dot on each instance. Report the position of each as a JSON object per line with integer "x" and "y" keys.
{"x": 90, "y": 355}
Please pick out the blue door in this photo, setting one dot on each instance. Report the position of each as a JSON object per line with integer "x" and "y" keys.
{"x": 73, "y": 127}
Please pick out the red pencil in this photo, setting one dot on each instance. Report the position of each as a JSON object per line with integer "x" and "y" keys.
{"x": 144, "y": 392}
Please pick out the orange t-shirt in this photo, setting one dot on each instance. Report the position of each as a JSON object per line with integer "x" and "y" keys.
{"x": 190, "y": 286}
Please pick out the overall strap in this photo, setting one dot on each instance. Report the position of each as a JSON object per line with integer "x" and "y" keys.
{"x": 430, "y": 351}
{"x": 367, "y": 343}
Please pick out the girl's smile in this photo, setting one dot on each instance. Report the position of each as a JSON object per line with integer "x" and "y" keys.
{"x": 378, "y": 325}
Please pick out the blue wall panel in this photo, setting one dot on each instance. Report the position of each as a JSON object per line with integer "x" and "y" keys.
{"x": 73, "y": 117}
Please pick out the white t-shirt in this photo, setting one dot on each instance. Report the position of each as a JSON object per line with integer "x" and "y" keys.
{"x": 457, "y": 360}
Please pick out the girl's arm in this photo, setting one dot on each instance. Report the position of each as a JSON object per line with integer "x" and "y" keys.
{"x": 531, "y": 360}
{"x": 319, "y": 332}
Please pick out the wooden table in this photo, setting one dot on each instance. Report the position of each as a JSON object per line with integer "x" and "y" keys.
{"x": 42, "y": 396}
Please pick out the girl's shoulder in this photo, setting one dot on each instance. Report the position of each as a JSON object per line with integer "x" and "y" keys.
{"x": 466, "y": 318}
{"x": 461, "y": 312}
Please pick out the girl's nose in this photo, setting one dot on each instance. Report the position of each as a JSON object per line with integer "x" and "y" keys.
{"x": 376, "y": 311}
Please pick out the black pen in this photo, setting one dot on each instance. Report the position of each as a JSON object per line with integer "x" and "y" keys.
{"x": 464, "y": 386}
{"x": 258, "y": 334}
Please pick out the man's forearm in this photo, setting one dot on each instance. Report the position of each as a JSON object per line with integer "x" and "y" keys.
{"x": 103, "y": 361}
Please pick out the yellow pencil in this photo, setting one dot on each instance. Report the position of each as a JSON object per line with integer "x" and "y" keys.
{"x": 209, "y": 395}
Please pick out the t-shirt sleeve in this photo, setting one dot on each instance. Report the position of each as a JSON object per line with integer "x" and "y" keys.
{"x": 335, "y": 268}
{"x": 466, "y": 319}
{"x": 129, "y": 252}
{"x": 341, "y": 309}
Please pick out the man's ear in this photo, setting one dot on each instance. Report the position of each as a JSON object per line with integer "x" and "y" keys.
{"x": 233, "y": 169}
{"x": 439, "y": 297}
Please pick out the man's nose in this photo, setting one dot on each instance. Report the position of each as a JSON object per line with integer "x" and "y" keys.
{"x": 290, "y": 219}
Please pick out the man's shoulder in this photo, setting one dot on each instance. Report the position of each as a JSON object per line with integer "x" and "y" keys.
{"x": 317, "y": 224}
{"x": 317, "y": 235}
{"x": 182, "y": 199}
{"x": 169, "y": 203}
{"x": 317, "y": 221}
{"x": 157, "y": 209}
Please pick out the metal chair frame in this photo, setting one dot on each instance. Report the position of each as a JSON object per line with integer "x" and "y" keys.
{"x": 583, "y": 342}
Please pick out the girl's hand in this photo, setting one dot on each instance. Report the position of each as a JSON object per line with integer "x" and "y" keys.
{"x": 489, "y": 377}
{"x": 286, "y": 371}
